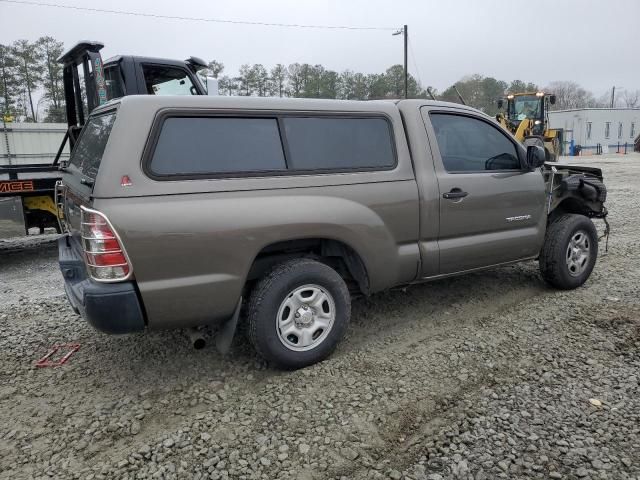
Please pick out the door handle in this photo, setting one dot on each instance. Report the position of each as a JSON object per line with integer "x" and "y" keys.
{"x": 455, "y": 193}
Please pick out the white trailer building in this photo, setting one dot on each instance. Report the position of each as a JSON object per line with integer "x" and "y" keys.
{"x": 610, "y": 128}
{"x": 27, "y": 144}
{"x": 22, "y": 143}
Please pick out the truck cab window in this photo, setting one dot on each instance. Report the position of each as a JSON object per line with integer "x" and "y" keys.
{"x": 163, "y": 80}
{"x": 113, "y": 82}
{"x": 470, "y": 145}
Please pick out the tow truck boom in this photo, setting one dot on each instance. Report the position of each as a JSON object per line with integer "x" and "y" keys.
{"x": 27, "y": 191}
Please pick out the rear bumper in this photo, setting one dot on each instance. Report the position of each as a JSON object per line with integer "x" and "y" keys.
{"x": 109, "y": 307}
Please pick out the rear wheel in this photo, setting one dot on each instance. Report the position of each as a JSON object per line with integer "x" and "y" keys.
{"x": 298, "y": 313}
{"x": 569, "y": 252}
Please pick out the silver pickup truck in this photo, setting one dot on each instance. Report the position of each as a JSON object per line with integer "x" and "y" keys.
{"x": 186, "y": 211}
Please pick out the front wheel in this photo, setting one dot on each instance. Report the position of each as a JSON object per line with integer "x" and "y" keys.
{"x": 298, "y": 313}
{"x": 569, "y": 252}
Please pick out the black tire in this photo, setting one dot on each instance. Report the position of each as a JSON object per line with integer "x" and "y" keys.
{"x": 268, "y": 296}
{"x": 555, "y": 251}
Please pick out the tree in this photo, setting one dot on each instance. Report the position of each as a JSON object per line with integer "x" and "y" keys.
{"x": 49, "y": 49}
{"x": 307, "y": 75}
{"x": 570, "y": 95}
{"x": 245, "y": 80}
{"x": 215, "y": 68}
{"x": 312, "y": 80}
{"x": 28, "y": 73}
{"x": 329, "y": 84}
{"x": 9, "y": 87}
{"x": 518, "y": 86}
{"x": 277, "y": 81}
{"x": 491, "y": 90}
{"x": 296, "y": 79}
{"x": 603, "y": 101}
{"x": 479, "y": 92}
{"x": 259, "y": 79}
{"x": 377, "y": 86}
{"x": 630, "y": 98}
{"x": 394, "y": 77}
{"x": 228, "y": 85}
{"x": 360, "y": 86}
{"x": 346, "y": 85}
{"x": 395, "y": 83}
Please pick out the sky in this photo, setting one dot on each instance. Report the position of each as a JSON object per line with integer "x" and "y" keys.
{"x": 593, "y": 42}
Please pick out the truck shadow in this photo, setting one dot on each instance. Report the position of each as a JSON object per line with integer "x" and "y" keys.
{"x": 35, "y": 253}
{"x": 162, "y": 373}
{"x": 167, "y": 357}
{"x": 28, "y": 245}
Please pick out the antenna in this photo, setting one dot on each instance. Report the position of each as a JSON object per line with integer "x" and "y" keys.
{"x": 455, "y": 87}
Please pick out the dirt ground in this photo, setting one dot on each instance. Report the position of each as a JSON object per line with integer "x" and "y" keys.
{"x": 490, "y": 375}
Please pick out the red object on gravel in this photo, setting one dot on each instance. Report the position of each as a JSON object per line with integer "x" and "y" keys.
{"x": 46, "y": 361}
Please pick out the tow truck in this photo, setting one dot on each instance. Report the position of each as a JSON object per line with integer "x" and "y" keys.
{"x": 27, "y": 191}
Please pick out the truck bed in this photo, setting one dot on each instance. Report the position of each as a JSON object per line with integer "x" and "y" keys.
{"x": 17, "y": 180}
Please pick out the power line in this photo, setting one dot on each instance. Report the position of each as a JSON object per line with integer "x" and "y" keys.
{"x": 413, "y": 57}
{"x": 193, "y": 19}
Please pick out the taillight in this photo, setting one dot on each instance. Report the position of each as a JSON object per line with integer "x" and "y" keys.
{"x": 104, "y": 255}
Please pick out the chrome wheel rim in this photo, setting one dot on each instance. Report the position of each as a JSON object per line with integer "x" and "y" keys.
{"x": 305, "y": 318}
{"x": 578, "y": 253}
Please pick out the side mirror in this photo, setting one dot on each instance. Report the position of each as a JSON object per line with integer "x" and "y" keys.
{"x": 500, "y": 103}
{"x": 552, "y": 99}
{"x": 536, "y": 156}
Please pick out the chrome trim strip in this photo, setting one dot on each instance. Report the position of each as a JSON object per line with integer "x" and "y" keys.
{"x": 102, "y": 253}
{"x": 107, "y": 266}
{"x": 96, "y": 238}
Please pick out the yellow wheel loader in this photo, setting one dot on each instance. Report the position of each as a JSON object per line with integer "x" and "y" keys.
{"x": 527, "y": 117}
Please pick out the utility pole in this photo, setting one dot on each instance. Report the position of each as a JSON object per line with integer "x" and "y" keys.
{"x": 406, "y": 71}
{"x": 405, "y": 33}
{"x": 613, "y": 96}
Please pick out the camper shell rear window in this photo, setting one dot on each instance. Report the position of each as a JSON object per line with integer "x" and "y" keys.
{"x": 88, "y": 150}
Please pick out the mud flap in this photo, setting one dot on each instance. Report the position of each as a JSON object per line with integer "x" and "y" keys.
{"x": 228, "y": 330}
{"x": 607, "y": 231}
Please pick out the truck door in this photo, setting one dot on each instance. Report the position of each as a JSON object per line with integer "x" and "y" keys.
{"x": 492, "y": 211}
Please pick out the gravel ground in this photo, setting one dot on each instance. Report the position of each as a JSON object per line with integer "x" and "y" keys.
{"x": 490, "y": 375}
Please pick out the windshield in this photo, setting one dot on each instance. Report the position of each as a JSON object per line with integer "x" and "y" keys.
{"x": 524, "y": 106}
{"x": 88, "y": 150}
